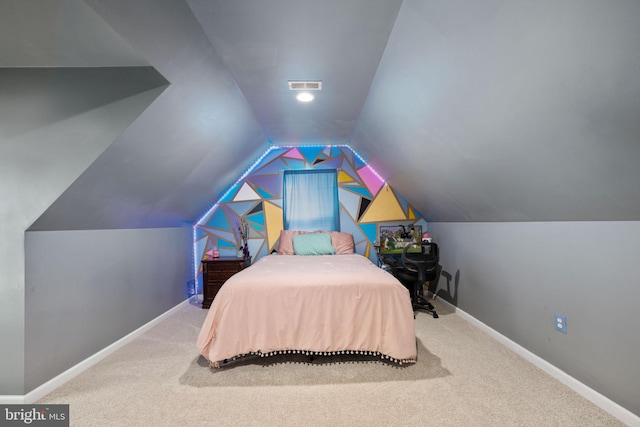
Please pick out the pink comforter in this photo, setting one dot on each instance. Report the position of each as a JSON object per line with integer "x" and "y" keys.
{"x": 317, "y": 304}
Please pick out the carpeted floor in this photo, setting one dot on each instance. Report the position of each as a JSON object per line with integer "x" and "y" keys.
{"x": 463, "y": 378}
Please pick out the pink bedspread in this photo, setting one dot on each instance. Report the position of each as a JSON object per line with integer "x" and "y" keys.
{"x": 317, "y": 304}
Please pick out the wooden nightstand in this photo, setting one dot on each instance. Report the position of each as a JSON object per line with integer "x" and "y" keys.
{"x": 215, "y": 272}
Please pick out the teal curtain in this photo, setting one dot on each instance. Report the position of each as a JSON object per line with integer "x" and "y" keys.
{"x": 311, "y": 200}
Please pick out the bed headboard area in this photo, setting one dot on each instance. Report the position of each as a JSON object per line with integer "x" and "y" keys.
{"x": 339, "y": 243}
{"x": 365, "y": 202}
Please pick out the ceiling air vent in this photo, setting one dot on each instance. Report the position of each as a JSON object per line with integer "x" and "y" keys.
{"x": 305, "y": 84}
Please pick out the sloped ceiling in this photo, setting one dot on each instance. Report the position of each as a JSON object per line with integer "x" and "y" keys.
{"x": 474, "y": 111}
{"x": 183, "y": 150}
{"x": 266, "y": 43}
{"x": 510, "y": 110}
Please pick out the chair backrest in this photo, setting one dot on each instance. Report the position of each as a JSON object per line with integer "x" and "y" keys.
{"x": 424, "y": 263}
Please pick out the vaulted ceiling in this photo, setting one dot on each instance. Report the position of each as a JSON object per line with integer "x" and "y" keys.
{"x": 473, "y": 111}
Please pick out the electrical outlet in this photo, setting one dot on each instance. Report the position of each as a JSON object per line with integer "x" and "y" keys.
{"x": 561, "y": 323}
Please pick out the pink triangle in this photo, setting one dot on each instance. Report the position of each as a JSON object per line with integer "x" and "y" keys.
{"x": 294, "y": 153}
{"x": 371, "y": 179}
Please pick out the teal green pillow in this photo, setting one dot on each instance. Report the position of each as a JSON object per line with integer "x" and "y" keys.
{"x": 313, "y": 244}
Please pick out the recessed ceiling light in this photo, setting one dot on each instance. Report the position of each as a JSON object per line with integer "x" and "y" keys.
{"x": 304, "y": 88}
{"x": 304, "y": 97}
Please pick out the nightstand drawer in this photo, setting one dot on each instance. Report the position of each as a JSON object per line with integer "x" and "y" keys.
{"x": 214, "y": 288}
{"x": 232, "y": 267}
{"x": 221, "y": 275}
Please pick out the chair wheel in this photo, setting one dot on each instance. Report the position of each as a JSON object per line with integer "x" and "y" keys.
{"x": 435, "y": 315}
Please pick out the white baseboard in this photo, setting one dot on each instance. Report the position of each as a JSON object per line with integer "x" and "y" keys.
{"x": 46, "y": 388}
{"x": 11, "y": 399}
{"x": 598, "y": 399}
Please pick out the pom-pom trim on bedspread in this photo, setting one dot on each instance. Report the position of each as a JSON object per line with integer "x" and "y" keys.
{"x": 316, "y": 353}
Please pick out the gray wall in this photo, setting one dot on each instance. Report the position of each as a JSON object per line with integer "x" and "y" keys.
{"x": 514, "y": 276}
{"x": 36, "y": 165}
{"x": 87, "y": 289}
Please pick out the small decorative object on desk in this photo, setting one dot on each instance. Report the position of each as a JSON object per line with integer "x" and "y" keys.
{"x": 243, "y": 249}
{"x": 215, "y": 252}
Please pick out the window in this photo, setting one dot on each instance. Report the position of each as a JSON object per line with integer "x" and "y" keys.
{"x": 311, "y": 200}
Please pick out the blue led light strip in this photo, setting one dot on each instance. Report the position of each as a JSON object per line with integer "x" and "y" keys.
{"x": 196, "y": 262}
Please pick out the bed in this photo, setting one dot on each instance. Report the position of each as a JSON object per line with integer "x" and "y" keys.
{"x": 325, "y": 304}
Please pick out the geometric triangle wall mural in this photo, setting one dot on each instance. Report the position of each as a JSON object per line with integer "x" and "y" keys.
{"x": 366, "y": 201}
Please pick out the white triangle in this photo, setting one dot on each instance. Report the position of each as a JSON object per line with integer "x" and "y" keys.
{"x": 246, "y": 193}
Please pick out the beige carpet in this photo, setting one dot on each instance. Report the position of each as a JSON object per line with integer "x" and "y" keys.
{"x": 463, "y": 378}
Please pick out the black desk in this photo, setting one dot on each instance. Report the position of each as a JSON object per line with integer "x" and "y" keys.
{"x": 392, "y": 263}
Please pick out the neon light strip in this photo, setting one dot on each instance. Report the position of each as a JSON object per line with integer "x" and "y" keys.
{"x": 369, "y": 166}
{"x": 196, "y": 262}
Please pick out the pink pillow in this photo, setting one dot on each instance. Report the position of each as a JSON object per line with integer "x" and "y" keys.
{"x": 342, "y": 242}
{"x": 285, "y": 247}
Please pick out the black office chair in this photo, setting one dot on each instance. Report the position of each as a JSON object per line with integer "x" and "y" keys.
{"x": 418, "y": 268}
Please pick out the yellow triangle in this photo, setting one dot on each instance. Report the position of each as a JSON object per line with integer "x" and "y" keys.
{"x": 274, "y": 223}
{"x": 385, "y": 207}
{"x": 344, "y": 177}
{"x": 412, "y": 214}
